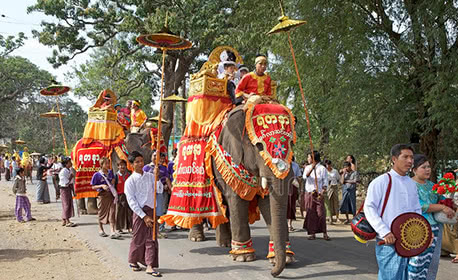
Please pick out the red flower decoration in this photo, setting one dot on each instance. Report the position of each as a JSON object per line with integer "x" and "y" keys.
{"x": 441, "y": 190}
{"x": 448, "y": 176}
{"x": 435, "y": 187}
{"x": 441, "y": 181}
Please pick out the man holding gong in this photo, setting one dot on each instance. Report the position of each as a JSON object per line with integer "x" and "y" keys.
{"x": 402, "y": 198}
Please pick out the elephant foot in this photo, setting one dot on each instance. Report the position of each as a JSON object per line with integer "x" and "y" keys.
{"x": 248, "y": 257}
{"x": 224, "y": 243}
{"x": 223, "y": 235}
{"x": 196, "y": 234}
{"x": 289, "y": 253}
{"x": 289, "y": 259}
{"x": 243, "y": 251}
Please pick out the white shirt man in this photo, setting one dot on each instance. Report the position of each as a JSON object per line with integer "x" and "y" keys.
{"x": 403, "y": 198}
{"x": 64, "y": 177}
{"x": 322, "y": 178}
{"x": 139, "y": 192}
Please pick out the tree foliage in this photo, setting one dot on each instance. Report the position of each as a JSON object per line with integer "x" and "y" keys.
{"x": 21, "y": 104}
{"x": 375, "y": 73}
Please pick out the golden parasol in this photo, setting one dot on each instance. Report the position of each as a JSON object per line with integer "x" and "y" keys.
{"x": 52, "y": 114}
{"x": 285, "y": 25}
{"x": 19, "y": 142}
{"x": 56, "y": 90}
{"x": 164, "y": 40}
{"x": 174, "y": 98}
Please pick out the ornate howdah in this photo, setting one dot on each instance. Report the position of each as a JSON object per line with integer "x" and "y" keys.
{"x": 96, "y": 114}
{"x": 206, "y": 85}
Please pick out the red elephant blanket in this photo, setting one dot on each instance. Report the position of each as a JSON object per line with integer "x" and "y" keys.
{"x": 86, "y": 162}
{"x": 195, "y": 195}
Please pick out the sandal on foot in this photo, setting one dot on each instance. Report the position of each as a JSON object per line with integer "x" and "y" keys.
{"x": 311, "y": 237}
{"x": 115, "y": 236}
{"x": 291, "y": 229}
{"x": 327, "y": 238}
{"x": 135, "y": 267}
{"x": 103, "y": 234}
{"x": 154, "y": 273}
{"x": 455, "y": 260}
{"x": 70, "y": 224}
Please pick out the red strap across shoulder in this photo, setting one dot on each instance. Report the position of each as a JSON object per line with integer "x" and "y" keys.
{"x": 388, "y": 190}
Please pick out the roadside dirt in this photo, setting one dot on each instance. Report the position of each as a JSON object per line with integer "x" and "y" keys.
{"x": 43, "y": 249}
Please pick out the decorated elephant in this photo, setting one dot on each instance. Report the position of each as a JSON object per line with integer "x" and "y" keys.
{"x": 248, "y": 161}
{"x": 133, "y": 142}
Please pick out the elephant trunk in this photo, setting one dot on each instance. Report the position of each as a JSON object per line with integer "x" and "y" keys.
{"x": 278, "y": 204}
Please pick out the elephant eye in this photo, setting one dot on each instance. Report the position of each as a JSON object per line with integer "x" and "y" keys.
{"x": 259, "y": 146}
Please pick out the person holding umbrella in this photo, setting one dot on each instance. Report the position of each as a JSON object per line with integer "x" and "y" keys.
{"x": 139, "y": 190}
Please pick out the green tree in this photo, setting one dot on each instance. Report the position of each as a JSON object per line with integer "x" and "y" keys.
{"x": 85, "y": 25}
{"x": 21, "y": 104}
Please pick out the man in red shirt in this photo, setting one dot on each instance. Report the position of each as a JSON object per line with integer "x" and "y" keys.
{"x": 256, "y": 82}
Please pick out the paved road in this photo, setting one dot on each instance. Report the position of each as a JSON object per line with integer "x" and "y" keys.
{"x": 341, "y": 258}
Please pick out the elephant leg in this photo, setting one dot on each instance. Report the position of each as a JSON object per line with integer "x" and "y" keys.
{"x": 223, "y": 235}
{"x": 196, "y": 233}
{"x": 242, "y": 247}
{"x": 92, "y": 206}
{"x": 82, "y": 206}
{"x": 264, "y": 207}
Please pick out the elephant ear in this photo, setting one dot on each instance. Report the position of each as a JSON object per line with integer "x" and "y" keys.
{"x": 231, "y": 136}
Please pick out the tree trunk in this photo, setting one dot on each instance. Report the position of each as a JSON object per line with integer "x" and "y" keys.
{"x": 175, "y": 72}
{"x": 428, "y": 146}
{"x": 183, "y": 108}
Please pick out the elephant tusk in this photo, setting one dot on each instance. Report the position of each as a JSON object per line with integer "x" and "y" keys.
{"x": 264, "y": 182}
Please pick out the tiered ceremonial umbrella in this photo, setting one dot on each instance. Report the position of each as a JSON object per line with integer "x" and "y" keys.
{"x": 56, "y": 90}
{"x": 286, "y": 25}
{"x": 19, "y": 142}
{"x": 51, "y": 115}
{"x": 164, "y": 40}
{"x": 174, "y": 99}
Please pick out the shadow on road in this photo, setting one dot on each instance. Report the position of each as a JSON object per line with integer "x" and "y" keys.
{"x": 212, "y": 269}
{"x": 12, "y": 255}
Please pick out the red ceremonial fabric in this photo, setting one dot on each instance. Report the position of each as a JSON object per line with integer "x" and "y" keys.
{"x": 272, "y": 125}
{"x": 193, "y": 197}
{"x": 86, "y": 163}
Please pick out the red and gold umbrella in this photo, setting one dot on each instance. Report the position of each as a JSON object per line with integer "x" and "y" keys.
{"x": 285, "y": 25}
{"x": 56, "y": 90}
{"x": 164, "y": 40}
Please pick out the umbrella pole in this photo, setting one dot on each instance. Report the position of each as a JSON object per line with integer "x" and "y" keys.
{"x": 158, "y": 143}
{"x": 61, "y": 126}
{"x": 53, "y": 137}
{"x": 305, "y": 105}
